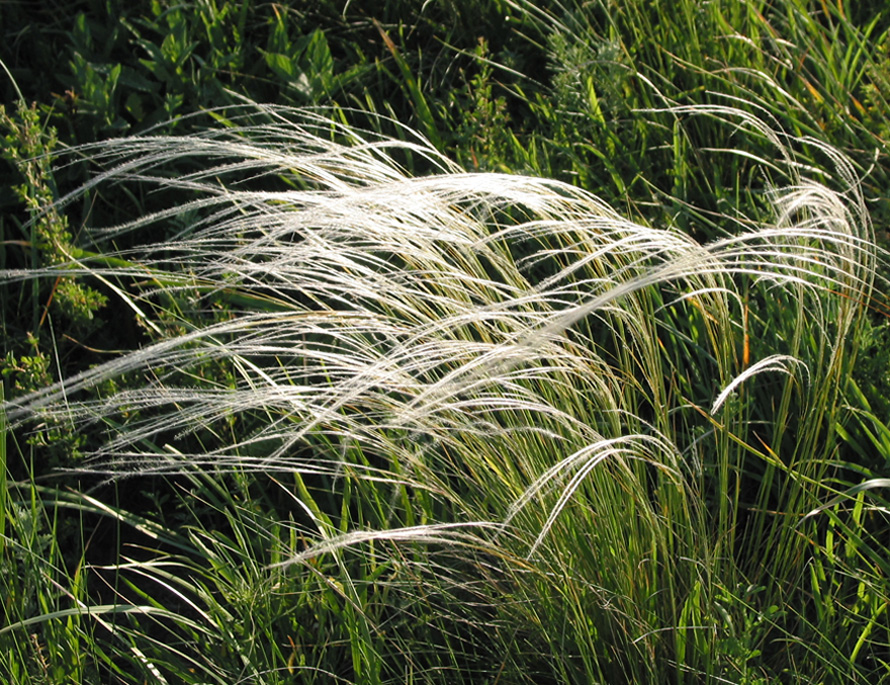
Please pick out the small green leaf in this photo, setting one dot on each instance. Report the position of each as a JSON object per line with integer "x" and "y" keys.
{"x": 281, "y": 64}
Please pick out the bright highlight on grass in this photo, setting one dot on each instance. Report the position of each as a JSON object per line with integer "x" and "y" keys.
{"x": 501, "y": 418}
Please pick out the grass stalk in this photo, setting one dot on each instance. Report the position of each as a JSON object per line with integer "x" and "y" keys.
{"x": 4, "y": 494}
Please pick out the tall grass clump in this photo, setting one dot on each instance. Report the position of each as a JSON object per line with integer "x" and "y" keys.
{"x": 807, "y": 66}
{"x": 477, "y": 427}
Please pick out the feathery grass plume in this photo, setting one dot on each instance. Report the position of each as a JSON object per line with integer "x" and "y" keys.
{"x": 640, "y": 416}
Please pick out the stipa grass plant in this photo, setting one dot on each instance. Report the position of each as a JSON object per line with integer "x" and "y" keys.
{"x": 511, "y": 435}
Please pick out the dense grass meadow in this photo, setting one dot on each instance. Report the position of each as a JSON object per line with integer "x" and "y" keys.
{"x": 444, "y": 342}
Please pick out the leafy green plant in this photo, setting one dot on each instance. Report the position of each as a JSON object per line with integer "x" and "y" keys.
{"x": 43, "y": 242}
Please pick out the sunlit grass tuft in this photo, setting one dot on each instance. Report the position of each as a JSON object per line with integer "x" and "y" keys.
{"x": 505, "y": 432}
